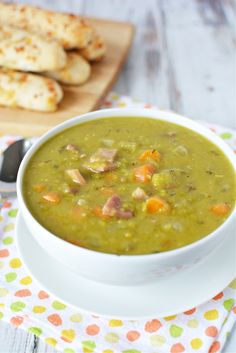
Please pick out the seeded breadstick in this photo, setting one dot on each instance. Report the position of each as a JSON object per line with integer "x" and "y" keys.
{"x": 69, "y": 30}
{"x": 21, "y": 50}
{"x": 29, "y": 91}
{"x": 95, "y": 50}
{"x": 76, "y": 72}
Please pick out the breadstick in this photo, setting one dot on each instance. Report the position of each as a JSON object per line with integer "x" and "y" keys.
{"x": 76, "y": 72}
{"x": 95, "y": 50}
{"x": 69, "y": 30}
{"x": 29, "y": 91}
{"x": 21, "y": 50}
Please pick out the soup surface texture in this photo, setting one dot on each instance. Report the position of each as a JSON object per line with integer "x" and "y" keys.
{"x": 129, "y": 186}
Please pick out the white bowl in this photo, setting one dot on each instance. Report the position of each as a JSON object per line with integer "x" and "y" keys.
{"x": 125, "y": 270}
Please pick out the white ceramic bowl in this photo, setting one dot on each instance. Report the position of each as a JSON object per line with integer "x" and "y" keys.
{"x": 125, "y": 270}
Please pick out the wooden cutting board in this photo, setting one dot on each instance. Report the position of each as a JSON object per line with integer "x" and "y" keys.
{"x": 77, "y": 100}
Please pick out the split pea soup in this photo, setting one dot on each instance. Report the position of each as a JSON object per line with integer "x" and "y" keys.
{"x": 129, "y": 186}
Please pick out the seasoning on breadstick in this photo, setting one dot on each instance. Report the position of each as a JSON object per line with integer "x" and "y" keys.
{"x": 22, "y": 50}
{"x": 29, "y": 91}
{"x": 95, "y": 50}
{"x": 69, "y": 30}
{"x": 76, "y": 72}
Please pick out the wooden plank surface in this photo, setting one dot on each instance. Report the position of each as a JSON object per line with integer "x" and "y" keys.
{"x": 77, "y": 99}
{"x": 183, "y": 57}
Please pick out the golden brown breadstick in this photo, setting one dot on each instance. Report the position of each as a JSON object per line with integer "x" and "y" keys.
{"x": 29, "y": 91}
{"x": 22, "y": 50}
{"x": 69, "y": 30}
{"x": 76, "y": 72}
{"x": 95, "y": 50}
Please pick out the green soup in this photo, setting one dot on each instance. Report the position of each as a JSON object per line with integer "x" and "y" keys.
{"x": 129, "y": 186}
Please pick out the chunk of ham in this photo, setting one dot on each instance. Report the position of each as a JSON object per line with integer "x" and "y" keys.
{"x": 125, "y": 214}
{"x": 71, "y": 147}
{"x": 113, "y": 208}
{"x": 112, "y": 205}
{"x": 74, "y": 149}
{"x": 99, "y": 167}
{"x": 101, "y": 161}
{"x": 104, "y": 155}
{"x": 75, "y": 176}
{"x": 139, "y": 194}
{"x": 52, "y": 197}
{"x": 70, "y": 190}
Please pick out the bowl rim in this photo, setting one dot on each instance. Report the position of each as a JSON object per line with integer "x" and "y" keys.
{"x": 163, "y": 115}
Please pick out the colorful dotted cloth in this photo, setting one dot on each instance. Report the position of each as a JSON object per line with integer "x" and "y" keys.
{"x": 24, "y": 304}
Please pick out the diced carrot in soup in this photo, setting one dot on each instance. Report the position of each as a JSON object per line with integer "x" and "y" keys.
{"x": 144, "y": 173}
{"x": 150, "y": 154}
{"x": 157, "y": 205}
{"x": 220, "y": 209}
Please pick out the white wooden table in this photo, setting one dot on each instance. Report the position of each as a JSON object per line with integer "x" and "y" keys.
{"x": 183, "y": 58}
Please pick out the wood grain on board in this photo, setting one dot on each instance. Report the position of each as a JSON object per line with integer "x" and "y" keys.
{"x": 77, "y": 99}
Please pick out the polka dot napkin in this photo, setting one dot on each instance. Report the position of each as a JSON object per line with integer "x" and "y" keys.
{"x": 24, "y": 304}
